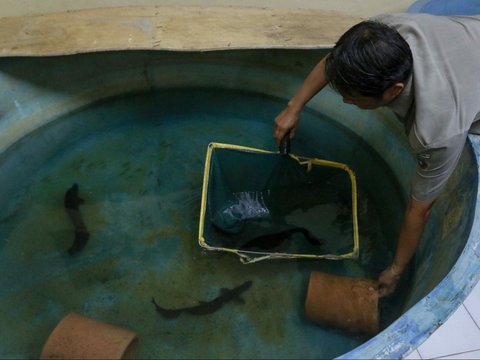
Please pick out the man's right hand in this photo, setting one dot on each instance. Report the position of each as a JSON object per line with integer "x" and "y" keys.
{"x": 286, "y": 121}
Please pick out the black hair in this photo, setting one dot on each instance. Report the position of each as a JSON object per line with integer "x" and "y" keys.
{"x": 368, "y": 59}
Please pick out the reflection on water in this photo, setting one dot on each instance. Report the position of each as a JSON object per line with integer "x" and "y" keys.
{"x": 141, "y": 181}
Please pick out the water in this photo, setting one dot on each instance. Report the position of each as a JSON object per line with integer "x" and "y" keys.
{"x": 139, "y": 163}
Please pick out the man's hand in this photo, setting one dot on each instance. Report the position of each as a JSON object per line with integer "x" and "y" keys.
{"x": 286, "y": 121}
{"x": 387, "y": 281}
{"x": 416, "y": 216}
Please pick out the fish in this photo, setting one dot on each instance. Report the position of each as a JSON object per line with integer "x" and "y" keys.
{"x": 206, "y": 307}
{"x": 274, "y": 240}
{"x": 72, "y": 204}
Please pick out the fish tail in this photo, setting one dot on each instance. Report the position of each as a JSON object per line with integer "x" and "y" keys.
{"x": 166, "y": 313}
{"x": 312, "y": 239}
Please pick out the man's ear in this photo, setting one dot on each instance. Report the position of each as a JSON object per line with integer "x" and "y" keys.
{"x": 393, "y": 91}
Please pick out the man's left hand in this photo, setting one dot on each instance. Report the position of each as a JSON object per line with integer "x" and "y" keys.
{"x": 388, "y": 280}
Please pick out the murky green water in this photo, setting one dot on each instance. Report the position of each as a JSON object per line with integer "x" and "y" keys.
{"x": 139, "y": 164}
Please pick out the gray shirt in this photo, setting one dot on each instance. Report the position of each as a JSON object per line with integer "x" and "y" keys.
{"x": 441, "y": 99}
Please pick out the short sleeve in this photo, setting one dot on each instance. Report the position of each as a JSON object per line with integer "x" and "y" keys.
{"x": 434, "y": 167}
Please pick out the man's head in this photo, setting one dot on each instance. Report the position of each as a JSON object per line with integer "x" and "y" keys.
{"x": 369, "y": 65}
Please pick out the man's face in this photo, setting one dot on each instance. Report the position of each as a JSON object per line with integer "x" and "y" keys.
{"x": 365, "y": 102}
{"x": 368, "y": 102}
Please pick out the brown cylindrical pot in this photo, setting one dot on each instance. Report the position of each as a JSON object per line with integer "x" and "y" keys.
{"x": 79, "y": 337}
{"x": 343, "y": 302}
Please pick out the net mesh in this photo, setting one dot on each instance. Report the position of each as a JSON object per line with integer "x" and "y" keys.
{"x": 263, "y": 205}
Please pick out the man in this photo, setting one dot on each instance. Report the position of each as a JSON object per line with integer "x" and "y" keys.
{"x": 426, "y": 69}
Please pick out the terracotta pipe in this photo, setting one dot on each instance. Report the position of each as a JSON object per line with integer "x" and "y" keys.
{"x": 79, "y": 337}
{"x": 344, "y": 302}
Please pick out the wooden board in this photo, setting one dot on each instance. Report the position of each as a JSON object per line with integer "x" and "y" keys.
{"x": 170, "y": 28}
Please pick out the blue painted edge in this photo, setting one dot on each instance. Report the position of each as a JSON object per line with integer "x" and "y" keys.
{"x": 417, "y": 6}
{"x": 446, "y": 7}
{"x": 409, "y": 331}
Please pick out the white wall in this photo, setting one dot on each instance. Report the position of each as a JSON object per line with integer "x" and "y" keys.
{"x": 363, "y": 8}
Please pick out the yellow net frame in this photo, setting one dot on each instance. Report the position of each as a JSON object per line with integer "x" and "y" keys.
{"x": 249, "y": 256}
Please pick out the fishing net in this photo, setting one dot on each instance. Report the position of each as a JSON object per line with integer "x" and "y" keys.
{"x": 263, "y": 205}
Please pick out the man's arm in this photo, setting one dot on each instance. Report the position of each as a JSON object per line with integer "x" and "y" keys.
{"x": 433, "y": 171}
{"x": 288, "y": 119}
{"x": 411, "y": 231}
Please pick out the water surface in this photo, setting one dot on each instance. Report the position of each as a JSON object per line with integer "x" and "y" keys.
{"x": 139, "y": 164}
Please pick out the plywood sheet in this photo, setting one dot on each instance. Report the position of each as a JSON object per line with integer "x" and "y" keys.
{"x": 170, "y": 28}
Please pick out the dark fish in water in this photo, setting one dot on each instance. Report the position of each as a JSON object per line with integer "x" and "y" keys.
{"x": 207, "y": 307}
{"x": 271, "y": 241}
{"x": 72, "y": 202}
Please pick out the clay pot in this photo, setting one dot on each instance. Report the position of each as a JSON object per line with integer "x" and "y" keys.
{"x": 343, "y": 302}
{"x": 78, "y": 337}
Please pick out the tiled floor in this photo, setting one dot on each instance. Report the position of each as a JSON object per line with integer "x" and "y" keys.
{"x": 459, "y": 337}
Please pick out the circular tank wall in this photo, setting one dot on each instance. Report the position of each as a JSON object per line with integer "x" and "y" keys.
{"x": 37, "y": 91}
